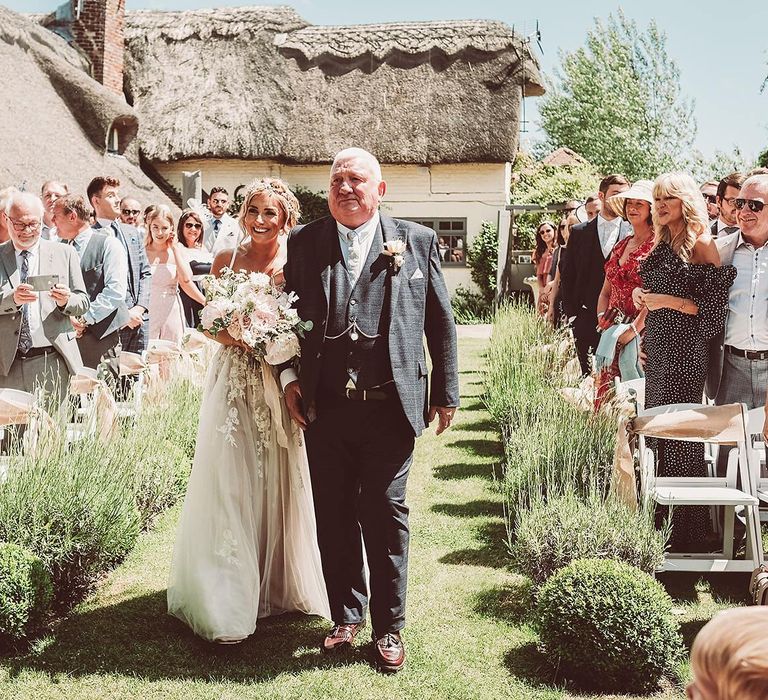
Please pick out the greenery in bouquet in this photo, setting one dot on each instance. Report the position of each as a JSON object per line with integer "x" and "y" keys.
{"x": 254, "y": 311}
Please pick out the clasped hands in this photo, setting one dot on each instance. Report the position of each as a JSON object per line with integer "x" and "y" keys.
{"x": 642, "y": 298}
{"x": 24, "y": 294}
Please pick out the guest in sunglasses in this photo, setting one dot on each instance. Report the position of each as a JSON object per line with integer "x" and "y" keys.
{"x": 130, "y": 213}
{"x": 190, "y": 234}
{"x": 709, "y": 192}
{"x": 685, "y": 293}
{"x": 738, "y": 366}
{"x": 727, "y": 191}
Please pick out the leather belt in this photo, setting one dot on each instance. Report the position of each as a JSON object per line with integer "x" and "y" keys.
{"x": 36, "y": 352}
{"x": 748, "y": 354}
{"x": 379, "y": 393}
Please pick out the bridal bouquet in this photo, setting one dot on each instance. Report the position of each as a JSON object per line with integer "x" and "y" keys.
{"x": 253, "y": 310}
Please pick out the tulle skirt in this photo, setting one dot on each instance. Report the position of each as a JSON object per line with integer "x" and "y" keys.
{"x": 246, "y": 545}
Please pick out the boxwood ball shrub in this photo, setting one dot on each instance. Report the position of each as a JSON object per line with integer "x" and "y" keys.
{"x": 608, "y": 626}
{"x": 25, "y": 592}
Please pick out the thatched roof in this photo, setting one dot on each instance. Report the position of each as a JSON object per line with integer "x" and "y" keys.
{"x": 260, "y": 83}
{"x": 564, "y": 156}
{"x": 56, "y": 119}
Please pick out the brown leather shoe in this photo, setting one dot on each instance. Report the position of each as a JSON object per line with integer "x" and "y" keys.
{"x": 389, "y": 652}
{"x": 341, "y": 637}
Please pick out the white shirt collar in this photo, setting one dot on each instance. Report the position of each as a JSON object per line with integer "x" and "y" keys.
{"x": 364, "y": 230}
{"x": 32, "y": 251}
{"x": 106, "y": 223}
{"x": 616, "y": 221}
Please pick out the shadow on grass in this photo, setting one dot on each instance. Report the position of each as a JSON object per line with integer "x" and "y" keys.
{"x": 513, "y": 603}
{"x": 486, "y": 425}
{"x": 473, "y": 509}
{"x": 451, "y": 472}
{"x": 137, "y": 638}
{"x": 479, "y": 447}
{"x": 724, "y": 588}
{"x": 492, "y": 552}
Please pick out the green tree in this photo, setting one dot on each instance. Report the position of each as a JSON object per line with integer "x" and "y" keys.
{"x": 619, "y": 103}
{"x": 721, "y": 164}
{"x": 536, "y": 183}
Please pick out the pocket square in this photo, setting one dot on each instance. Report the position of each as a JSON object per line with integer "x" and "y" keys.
{"x": 417, "y": 275}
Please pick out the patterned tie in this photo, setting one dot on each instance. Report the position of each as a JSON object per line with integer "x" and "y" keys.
{"x": 353, "y": 258}
{"x": 730, "y": 229}
{"x": 25, "y": 336}
{"x": 216, "y": 226}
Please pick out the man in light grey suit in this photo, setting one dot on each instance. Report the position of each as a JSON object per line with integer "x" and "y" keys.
{"x": 37, "y": 341}
{"x": 738, "y": 357}
{"x": 373, "y": 288}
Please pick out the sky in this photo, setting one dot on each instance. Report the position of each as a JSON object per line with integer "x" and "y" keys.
{"x": 720, "y": 48}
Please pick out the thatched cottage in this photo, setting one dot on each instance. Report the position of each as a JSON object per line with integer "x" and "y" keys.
{"x": 238, "y": 93}
{"x": 56, "y": 121}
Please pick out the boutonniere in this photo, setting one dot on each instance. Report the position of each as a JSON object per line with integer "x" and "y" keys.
{"x": 395, "y": 250}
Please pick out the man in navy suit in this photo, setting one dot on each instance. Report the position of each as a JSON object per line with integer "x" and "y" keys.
{"x": 581, "y": 280}
{"x": 104, "y": 196}
{"x": 373, "y": 288}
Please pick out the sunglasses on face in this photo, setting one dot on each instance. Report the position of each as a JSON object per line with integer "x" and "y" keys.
{"x": 131, "y": 212}
{"x": 191, "y": 224}
{"x": 710, "y": 198}
{"x": 755, "y": 205}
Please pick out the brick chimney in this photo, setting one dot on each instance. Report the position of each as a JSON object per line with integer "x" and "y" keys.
{"x": 98, "y": 29}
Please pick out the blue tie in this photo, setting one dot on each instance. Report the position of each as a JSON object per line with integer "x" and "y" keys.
{"x": 25, "y": 336}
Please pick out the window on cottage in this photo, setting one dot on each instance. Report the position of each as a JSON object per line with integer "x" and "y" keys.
{"x": 451, "y": 239}
{"x": 113, "y": 140}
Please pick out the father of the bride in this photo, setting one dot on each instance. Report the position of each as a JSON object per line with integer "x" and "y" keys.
{"x": 373, "y": 288}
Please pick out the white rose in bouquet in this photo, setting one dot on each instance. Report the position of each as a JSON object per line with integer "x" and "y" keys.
{"x": 283, "y": 348}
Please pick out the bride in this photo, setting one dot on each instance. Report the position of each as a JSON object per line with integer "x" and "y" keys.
{"x": 246, "y": 545}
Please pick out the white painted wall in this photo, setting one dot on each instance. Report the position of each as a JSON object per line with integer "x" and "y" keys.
{"x": 475, "y": 191}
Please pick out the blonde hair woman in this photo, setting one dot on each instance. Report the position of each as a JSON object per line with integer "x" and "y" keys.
{"x": 729, "y": 659}
{"x": 685, "y": 293}
{"x": 170, "y": 270}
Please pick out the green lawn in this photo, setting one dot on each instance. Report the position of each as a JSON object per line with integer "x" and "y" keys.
{"x": 468, "y": 636}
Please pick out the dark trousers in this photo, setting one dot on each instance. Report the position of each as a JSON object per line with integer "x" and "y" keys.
{"x": 586, "y": 337}
{"x": 360, "y": 453}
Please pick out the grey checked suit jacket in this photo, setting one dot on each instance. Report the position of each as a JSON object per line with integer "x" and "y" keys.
{"x": 55, "y": 259}
{"x": 419, "y": 305}
{"x": 726, "y": 246}
{"x": 139, "y": 270}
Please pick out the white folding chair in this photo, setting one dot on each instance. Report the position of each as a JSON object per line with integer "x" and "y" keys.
{"x": 17, "y": 408}
{"x": 759, "y": 475}
{"x": 132, "y": 365}
{"x": 703, "y": 491}
{"x": 633, "y": 389}
{"x": 84, "y": 418}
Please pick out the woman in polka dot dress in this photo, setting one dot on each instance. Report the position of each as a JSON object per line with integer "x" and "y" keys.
{"x": 686, "y": 293}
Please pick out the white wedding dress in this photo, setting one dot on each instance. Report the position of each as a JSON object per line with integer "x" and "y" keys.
{"x": 246, "y": 545}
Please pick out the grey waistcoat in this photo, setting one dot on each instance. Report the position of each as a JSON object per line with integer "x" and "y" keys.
{"x": 92, "y": 266}
{"x": 366, "y": 360}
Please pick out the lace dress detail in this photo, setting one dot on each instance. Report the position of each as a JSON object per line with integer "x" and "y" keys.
{"x": 246, "y": 545}
{"x": 676, "y": 346}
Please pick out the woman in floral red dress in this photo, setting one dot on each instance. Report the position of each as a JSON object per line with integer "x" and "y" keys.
{"x": 615, "y": 303}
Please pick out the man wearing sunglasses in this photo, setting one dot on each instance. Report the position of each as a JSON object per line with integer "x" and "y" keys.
{"x": 130, "y": 212}
{"x": 727, "y": 191}
{"x": 709, "y": 192}
{"x": 738, "y": 360}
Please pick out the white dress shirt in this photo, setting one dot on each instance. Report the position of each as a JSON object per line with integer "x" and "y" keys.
{"x": 115, "y": 276}
{"x": 365, "y": 234}
{"x": 611, "y": 232}
{"x": 721, "y": 226}
{"x": 228, "y": 235}
{"x": 747, "y": 326}
{"x": 34, "y": 311}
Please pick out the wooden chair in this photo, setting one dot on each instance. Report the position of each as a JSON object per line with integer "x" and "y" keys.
{"x": 705, "y": 491}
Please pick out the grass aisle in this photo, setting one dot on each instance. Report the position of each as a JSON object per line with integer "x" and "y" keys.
{"x": 468, "y": 635}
